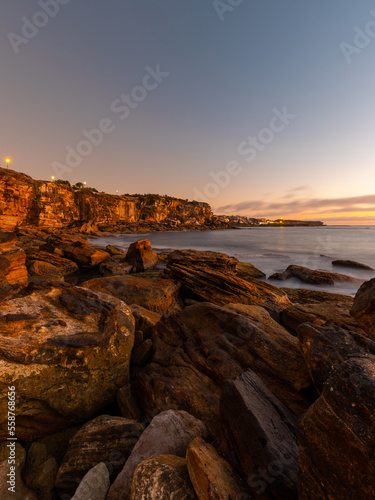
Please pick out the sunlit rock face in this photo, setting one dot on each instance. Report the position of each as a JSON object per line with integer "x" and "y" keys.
{"x": 27, "y": 202}
{"x": 13, "y": 272}
{"x": 66, "y": 351}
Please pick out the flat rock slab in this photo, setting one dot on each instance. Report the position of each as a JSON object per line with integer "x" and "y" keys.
{"x": 260, "y": 434}
{"x": 66, "y": 351}
{"x": 313, "y": 276}
{"x": 353, "y": 264}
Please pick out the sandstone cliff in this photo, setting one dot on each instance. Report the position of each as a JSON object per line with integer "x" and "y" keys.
{"x": 25, "y": 202}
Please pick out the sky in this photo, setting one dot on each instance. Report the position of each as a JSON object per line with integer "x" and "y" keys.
{"x": 263, "y": 108}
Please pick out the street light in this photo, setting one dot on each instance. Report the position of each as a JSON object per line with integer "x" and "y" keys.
{"x": 52, "y": 178}
{"x": 85, "y": 183}
{"x": 7, "y": 161}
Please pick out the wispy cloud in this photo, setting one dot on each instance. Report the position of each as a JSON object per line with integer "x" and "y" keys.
{"x": 261, "y": 208}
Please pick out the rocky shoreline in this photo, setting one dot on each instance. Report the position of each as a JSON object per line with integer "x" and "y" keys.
{"x": 182, "y": 375}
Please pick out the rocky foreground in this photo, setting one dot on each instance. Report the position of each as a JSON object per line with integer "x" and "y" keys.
{"x": 180, "y": 376}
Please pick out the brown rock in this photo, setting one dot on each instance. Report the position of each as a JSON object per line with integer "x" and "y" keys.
{"x": 105, "y": 439}
{"x": 113, "y": 250}
{"x": 198, "y": 349}
{"x": 40, "y": 471}
{"x": 223, "y": 288}
{"x": 141, "y": 256}
{"x": 40, "y": 268}
{"x": 66, "y": 350}
{"x": 145, "y": 320}
{"x": 302, "y": 296}
{"x": 170, "y": 432}
{"x": 13, "y": 272}
{"x": 211, "y": 476}
{"x": 195, "y": 258}
{"x": 19, "y": 491}
{"x": 127, "y": 403}
{"x": 318, "y": 314}
{"x": 363, "y": 309}
{"x": 114, "y": 268}
{"x": 141, "y": 355}
{"x": 245, "y": 270}
{"x": 329, "y": 345}
{"x": 336, "y": 435}
{"x": 156, "y": 295}
{"x": 351, "y": 263}
{"x": 259, "y": 430}
{"x": 65, "y": 267}
{"x": 164, "y": 477}
{"x": 78, "y": 250}
{"x": 313, "y": 276}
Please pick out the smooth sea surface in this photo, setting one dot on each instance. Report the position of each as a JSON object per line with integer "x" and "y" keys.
{"x": 273, "y": 249}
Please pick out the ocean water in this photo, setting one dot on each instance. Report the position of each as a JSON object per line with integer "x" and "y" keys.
{"x": 273, "y": 249}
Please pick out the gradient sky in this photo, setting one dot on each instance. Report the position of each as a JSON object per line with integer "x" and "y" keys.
{"x": 226, "y": 78}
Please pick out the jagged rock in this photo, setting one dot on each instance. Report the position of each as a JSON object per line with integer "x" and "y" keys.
{"x": 318, "y": 314}
{"x": 94, "y": 485}
{"x": 351, "y": 263}
{"x": 19, "y": 491}
{"x": 13, "y": 272}
{"x": 328, "y": 345}
{"x": 363, "y": 309}
{"x": 115, "y": 268}
{"x": 90, "y": 228}
{"x": 105, "y": 439}
{"x": 141, "y": 256}
{"x": 169, "y": 433}
{"x": 80, "y": 251}
{"x": 145, "y": 320}
{"x": 302, "y": 296}
{"x": 222, "y": 288}
{"x": 66, "y": 350}
{"x": 40, "y": 471}
{"x": 65, "y": 267}
{"x": 162, "y": 477}
{"x": 198, "y": 349}
{"x": 336, "y": 435}
{"x": 44, "y": 269}
{"x": 156, "y": 295}
{"x": 313, "y": 276}
{"x": 260, "y": 433}
{"x": 211, "y": 476}
{"x": 113, "y": 250}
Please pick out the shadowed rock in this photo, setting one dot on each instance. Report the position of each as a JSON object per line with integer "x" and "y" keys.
{"x": 313, "y": 276}
{"x": 260, "y": 434}
{"x": 363, "y": 309}
{"x": 336, "y": 435}
{"x": 351, "y": 263}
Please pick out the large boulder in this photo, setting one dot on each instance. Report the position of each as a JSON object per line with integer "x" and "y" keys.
{"x": 336, "y": 435}
{"x": 169, "y": 433}
{"x": 198, "y": 349}
{"x": 313, "y": 276}
{"x": 159, "y": 296}
{"x": 329, "y": 345}
{"x": 319, "y": 314}
{"x": 164, "y": 477}
{"x": 212, "y": 476}
{"x": 104, "y": 439}
{"x": 13, "y": 272}
{"x": 260, "y": 435}
{"x": 78, "y": 250}
{"x": 363, "y": 309}
{"x": 66, "y": 351}
{"x": 141, "y": 256}
{"x": 221, "y": 287}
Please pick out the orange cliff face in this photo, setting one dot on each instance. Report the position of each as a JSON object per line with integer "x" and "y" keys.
{"x": 25, "y": 202}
